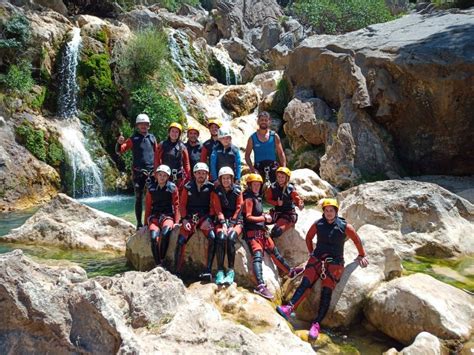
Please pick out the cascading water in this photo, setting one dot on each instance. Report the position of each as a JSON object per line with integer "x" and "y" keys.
{"x": 86, "y": 177}
{"x": 231, "y": 69}
{"x": 67, "y": 100}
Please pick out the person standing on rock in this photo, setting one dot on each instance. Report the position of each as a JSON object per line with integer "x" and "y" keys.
{"x": 197, "y": 213}
{"x": 256, "y": 235}
{"x": 211, "y": 143}
{"x": 161, "y": 211}
{"x": 326, "y": 261}
{"x": 266, "y": 145}
{"x": 173, "y": 153}
{"x": 227, "y": 200}
{"x": 225, "y": 154}
{"x": 193, "y": 146}
{"x": 282, "y": 194}
{"x": 143, "y": 145}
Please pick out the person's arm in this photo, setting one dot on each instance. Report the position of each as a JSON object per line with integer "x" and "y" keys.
{"x": 122, "y": 148}
{"x": 297, "y": 200}
{"x": 204, "y": 154}
{"x": 213, "y": 165}
{"x": 248, "y": 151}
{"x": 280, "y": 151}
{"x": 269, "y": 197}
{"x": 310, "y": 236}
{"x": 216, "y": 205}
{"x": 238, "y": 207}
{"x": 175, "y": 201}
{"x": 158, "y": 154}
{"x": 148, "y": 205}
{"x": 248, "y": 212}
{"x": 183, "y": 201}
{"x": 186, "y": 164}
{"x": 352, "y": 234}
{"x": 238, "y": 164}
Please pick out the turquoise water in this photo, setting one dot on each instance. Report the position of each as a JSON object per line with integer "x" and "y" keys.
{"x": 95, "y": 263}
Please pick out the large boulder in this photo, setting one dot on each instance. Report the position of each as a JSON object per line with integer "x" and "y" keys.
{"x": 356, "y": 284}
{"x": 267, "y": 82}
{"x": 310, "y": 186}
{"x": 404, "y": 307}
{"x": 141, "y": 18}
{"x": 46, "y": 308}
{"x": 241, "y": 100}
{"x": 396, "y": 83}
{"x": 419, "y": 217}
{"x": 425, "y": 343}
{"x": 68, "y": 224}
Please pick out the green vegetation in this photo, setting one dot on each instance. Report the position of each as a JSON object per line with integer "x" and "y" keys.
{"x": 127, "y": 130}
{"x": 332, "y": 17}
{"x": 218, "y": 71}
{"x": 161, "y": 108}
{"x": 282, "y": 97}
{"x": 38, "y": 100}
{"x": 18, "y": 78}
{"x": 49, "y": 151}
{"x": 16, "y": 32}
{"x": 99, "y": 92}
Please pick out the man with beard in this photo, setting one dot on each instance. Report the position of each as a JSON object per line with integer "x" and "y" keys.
{"x": 212, "y": 142}
{"x": 266, "y": 145}
{"x": 197, "y": 213}
{"x": 173, "y": 153}
{"x": 161, "y": 211}
{"x": 194, "y": 146}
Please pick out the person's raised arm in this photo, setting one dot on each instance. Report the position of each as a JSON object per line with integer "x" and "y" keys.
{"x": 186, "y": 164}
{"x": 158, "y": 156}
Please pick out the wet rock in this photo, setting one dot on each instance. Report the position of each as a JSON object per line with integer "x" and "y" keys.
{"x": 425, "y": 343}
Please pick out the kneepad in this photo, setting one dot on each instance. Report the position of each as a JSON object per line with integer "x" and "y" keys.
{"x": 154, "y": 236}
{"x": 232, "y": 237}
{"x": 166, "y": 231}
{"x": 220, "y": 238}
{"x": 257, "y": 256}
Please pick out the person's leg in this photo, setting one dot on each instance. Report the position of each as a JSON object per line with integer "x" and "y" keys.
{"x": 207, "y": 228}
{"x": 220, "y": 254}
{"x": 154, "y": 239}
{"x": 183, "y": 238}
{"x": 139, "y": 181}
{"x": 166, "y": 229}
{"x": 277, "y": 258}
{"x": 280, "y": 227}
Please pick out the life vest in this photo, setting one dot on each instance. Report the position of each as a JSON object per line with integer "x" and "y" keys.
{"x": 285, "y": 196}
{"x": 331, "y": 237}
{"x": 194, "y": 153}
{"x": 257, "y": 211}
{"x": 143, "y": 151}
{"x": 228, "y": 199}
{"x": 198, "y": 201}
{"x": 264, "y": 151}
{"x": 162, "y": 198}
{"x": 226, "y": 157}
{"x": 210, "y": 144}
{"x": 172, "y": 154}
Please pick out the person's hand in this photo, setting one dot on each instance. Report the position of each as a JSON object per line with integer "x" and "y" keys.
{"x": 280, "y": 202}
{"x": 120, "y": 139}
{"x": 362, "y": 260}
{"x": 186, "y": 225}
{"x": 268, "y": 218}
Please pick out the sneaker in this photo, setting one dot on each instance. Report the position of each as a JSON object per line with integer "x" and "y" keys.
{"x": 314, "y": 331}
{"x": 139, "y": 226}
{"x": 220, "y": 277}
{"x": 206, "y": 275}
{"x": 295, "y": 271}
{"x": 263, "y": 291}
{"x": 229, "y": 277}
{"x": 285, "y": 311}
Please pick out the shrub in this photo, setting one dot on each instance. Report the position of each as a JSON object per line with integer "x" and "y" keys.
{"x": 18, "y": 78}
{"x": 127, "y": 130}
{"x": 55, "y": 154}
{"x": 161, "y": 108}
{"x": 38, "y": 100}
{"x": 32, "y": 139}
{"x": 16, "y": 32}
{"x": 143, "y": 57}
{"x": 99, "y": 92}
{"x": 332, "y": 17}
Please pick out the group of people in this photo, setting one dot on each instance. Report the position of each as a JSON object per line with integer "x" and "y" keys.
{"x": 196, "y": 186}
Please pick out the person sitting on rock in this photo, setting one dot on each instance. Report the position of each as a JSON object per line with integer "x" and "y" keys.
{"x": 161, "y": 211}
{"x": 173, "y": 152}
{"x": 225, "y": 154}
{"x": 282, "y": 194}
{"x": 197, "y": 213}
{"x": 193, "y": 146}
{"x": 326, "y": 261}
{"x": 143, "y": 145}
{"x": 227, "y": 201}
{"x": 209, "y": 145}
{"x": 256, "y": 235}
{"x": 265, "y": 144}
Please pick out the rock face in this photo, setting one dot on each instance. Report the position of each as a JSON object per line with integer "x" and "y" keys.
{"x": 241, "y": 100}
{"x": 310, "y": 186}
{"x": 395, "y": 84}
{"x": 438, "y": 308}
{"x": 24, "y": 180}
{"x": 419, "y": 217}
{"x": 356, "y": 283}
{"x": 45, "y": 308}
{"x": 425, "y": 343}
{"x": 68, "y": 224}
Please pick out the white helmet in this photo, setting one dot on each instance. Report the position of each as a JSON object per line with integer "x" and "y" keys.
{"x": 226, "y": 170}
{"x": 142, "y": 118}
{"x": 200, "y": 166}
{"x": 224, "y": 131}
{"x": 163, "y": 168}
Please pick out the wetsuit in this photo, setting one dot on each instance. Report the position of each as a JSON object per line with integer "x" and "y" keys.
{"x": 207, "y": 148}
{"x": 194, "y": 152}
{"x": 221, "y": 157}
{"x": 175, "y": 155}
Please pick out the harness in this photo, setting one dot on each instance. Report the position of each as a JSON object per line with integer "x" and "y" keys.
{"x": 323, "y": 263}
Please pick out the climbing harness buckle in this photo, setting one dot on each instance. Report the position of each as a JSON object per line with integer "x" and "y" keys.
{"x": 195, "y": 218}
{"x": 323, "y": 267}
{"x": 174, "y": 172}
{"x": 267, "y": 173}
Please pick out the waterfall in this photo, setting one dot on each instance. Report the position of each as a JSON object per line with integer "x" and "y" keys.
{"x": 231, "y": 69}
{"x": 68, "y": 89}
{"x": 86, "y": 175}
